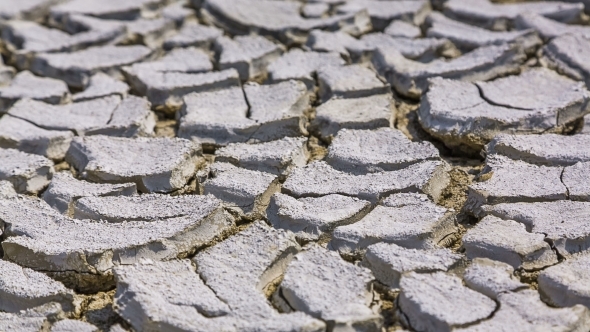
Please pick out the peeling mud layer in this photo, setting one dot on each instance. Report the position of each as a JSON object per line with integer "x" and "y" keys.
{"x": 299, "y": 165}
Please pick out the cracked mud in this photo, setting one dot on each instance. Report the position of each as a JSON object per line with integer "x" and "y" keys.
{"x": 294, "y": 165}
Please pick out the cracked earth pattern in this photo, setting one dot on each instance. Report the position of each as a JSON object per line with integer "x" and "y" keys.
{"x": 285, "y": 165}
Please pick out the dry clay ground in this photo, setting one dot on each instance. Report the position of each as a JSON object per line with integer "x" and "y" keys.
{"x": 274, "y": 165}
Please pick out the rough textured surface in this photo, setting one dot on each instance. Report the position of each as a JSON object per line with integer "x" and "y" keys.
{"x": 576, "y": 179}
{"x": 280, "y": 109}
{"x": 76, "y": 68}
{"x": 410, "y": 78}
{"x": 239, "y": 271}
{"x": 131, "y": 118}
{"x": 71, "y": 325}
{"x": 281, "y": 20}
{"x": 27, "y": 85}
{"x": 508, "y": 241}
{"x": 466, "y": 116}
{"x": 300, "y": 65}
{"x": 244, "y": 189}
{"x": 389, "y": 262}
{"x": 548, "y": 149}
{"x": 562, "y": 222}
{"x": 423, "y": 49}
{"x": 468, "y": 38}
{"x": 77, "y": 117}
{"x": 491, "y": 277}
{"x": 347, "y": 290}
{"x": 310, "y": 217}
{"x": 22, "y": 288}
{"x": 408, "y": 220}
{"x": 361, "y": 50}
{"x": 221, "y": 117}
{"x": 382, "y": 14}
{"x": 167, "y": 295}
{"x": 162, "y": 162}
{"x": 64, "y": 190}
{"x": 153, "y": 164}
{"x": 402, "y": 29}
{"x": 319, "y": 179}
{"x": 548, "y": 28}
{"x": 349, "y": 82}
{"x": 53, "y": 243}
{"x": 383, "y": 149}
{"x": 524, "y": 311}
{"x": 361, "y": 113}
{"x": 499, "y": 16}
{"x": 566, "y": 284}
{"x": 567, "y": 53}
{"x": 249, "y": 55}
{"x": 32, "y": 319}
{"x": 101, "y": 85}
{"x": 216, "y": 118}
{"x": 22, "y": 135}
{"x": 513, "y": 181}
{"x": 193, "y": 34}
{"x": 275, "y": 157}
{"x": 28, "y": 173}
{"x": 166, "y": 89}
{"x": 439, "y": 302}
